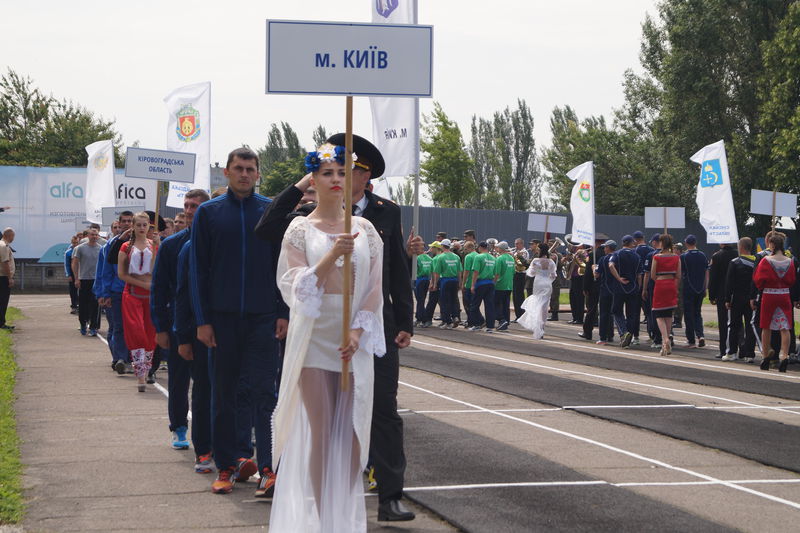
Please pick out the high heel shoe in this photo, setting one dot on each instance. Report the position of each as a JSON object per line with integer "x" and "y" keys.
{"x": 663, "y": 351}
{"x": 783, "y": 364}
{"x": 766, "y": 360}
{"x": 668, "y": 346}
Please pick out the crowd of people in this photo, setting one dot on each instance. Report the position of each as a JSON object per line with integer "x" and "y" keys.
{"x": 242, "y": 297}
{"x": 616, "y": 289}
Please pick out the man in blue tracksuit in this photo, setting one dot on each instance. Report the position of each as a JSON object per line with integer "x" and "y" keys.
{"x": 162, "y": 313}
{"x": 195, "y": 353}
{"x": 605, "y": 322}
{"x": 239, "y": 313}
{"x": 694, "y": 268}
{"x": 624, "y": 267}
{"x": 109, "y": 296}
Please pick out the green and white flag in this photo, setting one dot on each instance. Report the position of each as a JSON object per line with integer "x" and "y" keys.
{"x": 581, "y": 203}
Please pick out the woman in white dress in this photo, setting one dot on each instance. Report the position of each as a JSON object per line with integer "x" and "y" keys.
{"x": 543, "y": 271}
{"x": 321, "y": 432}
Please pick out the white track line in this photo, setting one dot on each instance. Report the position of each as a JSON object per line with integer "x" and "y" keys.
{"x": 598, "y": 376}
{"x": 568, "y": 407}
{"x": 597, "y": 482}
{"x": 615, "y": 449}
{"x": 734, "y": 368}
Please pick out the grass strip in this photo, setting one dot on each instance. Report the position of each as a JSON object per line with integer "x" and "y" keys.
{"x": 12, "y": 504}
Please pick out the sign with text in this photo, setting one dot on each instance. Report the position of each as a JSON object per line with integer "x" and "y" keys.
{"x": 654, "y": 217}
{"x": 548, "y": 223}
{"x": 159, "y": 165}
{"x": 761, "y": 203}
{"x": 110, "y": 214}
{"x": 354, "y": 59}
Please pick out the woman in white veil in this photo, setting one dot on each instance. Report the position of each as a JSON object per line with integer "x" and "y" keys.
{"x": 543, "y": 271}
{"x": 321, "y": 432}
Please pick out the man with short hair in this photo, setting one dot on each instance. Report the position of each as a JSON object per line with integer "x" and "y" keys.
{"x": 741, "y": 340}
{"x": 605, "y": 322}
{"x": 109, "y": 294}
{"x": 471, "y": 236}
{"x": 241, "y": 316}
{"x": 624, "y": 268}
{"x": 73, "y": 290}
{"x": 162, "y": 313}
{"x": 7, "y": 270}
{"x": 694, "y": 269}
{"x": 115, "y": 228}
{"x": 503, "y": 283}
{"x": 482, "y": 289}
{"x": 718, "y": 270}
{"x": 466, "y": 280}
{"x": 422, "y": 284}
{"x": 84, "y": 264}
{"x": 180, "y": 222}
{"x": 643, "y": 250}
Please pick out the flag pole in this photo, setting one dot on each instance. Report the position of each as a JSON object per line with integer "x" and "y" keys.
{"x": 348, "y": 209}
{"x": 665, "y": 221}
{"x": 415, "y": 216}
{"x": 774, "y": 200}
{"x": 158, "y": 203}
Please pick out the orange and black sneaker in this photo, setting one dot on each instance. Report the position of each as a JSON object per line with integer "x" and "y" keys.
{"x": 266, "y": 485}
{"x": 224, "y": 482}
{"x": 245, "y": 469}
{"x": 204, "y": 464}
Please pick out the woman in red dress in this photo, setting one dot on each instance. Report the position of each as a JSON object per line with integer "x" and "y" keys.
{"x": 773, "y": 277}
{"x": 136, "y": 259}
{"x": 666, "y": 271}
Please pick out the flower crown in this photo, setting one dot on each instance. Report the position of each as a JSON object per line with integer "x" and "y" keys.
{"x": 327, "y": 153}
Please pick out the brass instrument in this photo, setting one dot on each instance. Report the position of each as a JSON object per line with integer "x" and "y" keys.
{"x": 520, "y": 263}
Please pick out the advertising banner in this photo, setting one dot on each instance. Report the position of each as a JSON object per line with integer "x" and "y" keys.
{"x": 45, "y": 202}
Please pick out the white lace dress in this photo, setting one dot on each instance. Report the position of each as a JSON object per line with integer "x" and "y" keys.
{"x": 321, "y": 433}
{"x": 537, "y": 303}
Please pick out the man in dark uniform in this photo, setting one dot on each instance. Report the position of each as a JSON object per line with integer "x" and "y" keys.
{"x": 718, "y": 270}
{"x": 694, "y": 268}
{"x": 591, "y": 289}
{"x": 624, "y": 266}
{"x": 647, "y": 290}
{"x": 737, "y": 302}
{"x": 605, "y": 324}
{"x": 643, "y": 250}
{"x": 386, "y": 443}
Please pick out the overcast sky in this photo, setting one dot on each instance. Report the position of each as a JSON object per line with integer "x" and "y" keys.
{"x": 120, "y": 59}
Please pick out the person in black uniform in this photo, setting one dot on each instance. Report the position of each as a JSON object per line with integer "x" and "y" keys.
{"x": 591, "y": 291}
{"x": 737, "y": 302}
{"x": 716, "y": 291}
{"x": 694, "y": 266}
{"x": 386, "y": 442}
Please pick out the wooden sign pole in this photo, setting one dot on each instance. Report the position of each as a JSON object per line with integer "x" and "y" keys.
{"x": 665, "y": 221}
{"x": 158, "y": 204}
{"x": 546, "y": 224}
{"x": 347, "y": 282}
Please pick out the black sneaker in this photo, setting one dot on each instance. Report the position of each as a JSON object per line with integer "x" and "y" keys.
{"x": 119, "y": 366}
{"x": 503, "y": 327}
{"x": 626, "y": 340}
{"x": 701, "y": 342}
{"x": 151, "y": 378}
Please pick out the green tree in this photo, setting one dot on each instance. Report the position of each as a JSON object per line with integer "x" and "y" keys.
{"x": 280, "y": 160}
{"x": 36, "y": 129}
{"x": 319, "y": 135}
{"x": 404, "y": 192}
{"x": 779, "y": 136}
{"x": 446, "y": 168}
{"x": 703, "y": 66}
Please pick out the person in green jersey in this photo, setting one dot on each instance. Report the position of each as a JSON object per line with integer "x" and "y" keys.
{"x": 503, "y": 283}
{"x": 446, "y": 274}
{"x": 422, "y": 284}
{"x": 482, "y": 288}
{"x": 466, "y": 279}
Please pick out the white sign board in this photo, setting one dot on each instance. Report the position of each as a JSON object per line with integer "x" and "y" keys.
{"x": 349, "y": 58}
{"x": 761, "y": 203}
{"x": 548, "y": 223}
{"x": 110, "y": 214}
{"x": 159, "y": 165}
{"x": 654, "y": 217}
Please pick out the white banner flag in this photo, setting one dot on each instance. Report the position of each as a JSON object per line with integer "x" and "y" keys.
{"x": 395, "y": 121}
{"x": 581, "y": 203}
{"x": 99, "y": 180}
{"x": 189, "y": 131}
{"x": 714, "y": 198}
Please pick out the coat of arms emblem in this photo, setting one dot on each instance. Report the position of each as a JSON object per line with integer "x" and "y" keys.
{"x": 188, "y": 128}
{"x": 100, "y": 162}
{"x": 585, "y": 191}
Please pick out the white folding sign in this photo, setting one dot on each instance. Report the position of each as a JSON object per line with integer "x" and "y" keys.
{"x": 349, "y": 59}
